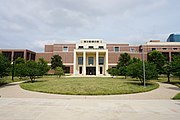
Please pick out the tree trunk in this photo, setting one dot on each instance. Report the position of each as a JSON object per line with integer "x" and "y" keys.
{"x": 157, "y": 77}
{"x": 142, "y": 82}
{"x": 168, "y": 75}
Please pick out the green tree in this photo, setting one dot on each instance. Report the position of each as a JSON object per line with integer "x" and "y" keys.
{"x": 135, "y": 70}
{"x": 33, "y": 70}
{"x": 5, "y": 66}
{"x": 56, "y": 61}
{"x": 21, "y": 70}
{"x": 43, "y": 66}
{"x": 59, "y": 71}
{"x": 20, "y": 67}
{"x": 134, "y": 60}
{"x": 168, "y": 70}
{"x": 176, "y": 66}
{"x": 19, "y": 60}
{"x": 113, "y": 71}
{"x": 124, "y": 61}
{"x": 158, "y": 59}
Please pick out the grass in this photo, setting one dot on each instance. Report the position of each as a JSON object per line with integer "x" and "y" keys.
{"x": 87, "y": 86}
{"x": 177, "y": 97}
{"x": 8, "y": 79}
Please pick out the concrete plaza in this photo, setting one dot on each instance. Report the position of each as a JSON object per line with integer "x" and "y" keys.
{"x": 19, "y": 104}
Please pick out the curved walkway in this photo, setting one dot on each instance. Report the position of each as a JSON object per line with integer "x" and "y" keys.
{"x": 165, "y": 91}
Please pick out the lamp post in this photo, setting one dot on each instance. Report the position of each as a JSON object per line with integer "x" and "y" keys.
{"x": 144, "y": 71}
{"x": 13, "y": 69}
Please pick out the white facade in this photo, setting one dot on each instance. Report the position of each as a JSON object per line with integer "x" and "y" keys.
{"x": 90, "y": 58}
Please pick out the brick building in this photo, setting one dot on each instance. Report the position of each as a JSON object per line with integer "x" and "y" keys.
{"x": 99, "y": 56}
{"x": 11, "y": 54}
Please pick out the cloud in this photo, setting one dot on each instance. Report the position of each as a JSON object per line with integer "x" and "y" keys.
{"x": 32, "y": 23}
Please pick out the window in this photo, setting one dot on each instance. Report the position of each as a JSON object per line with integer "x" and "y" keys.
{"x": 91, "y": 47}
{"x": 164, "y": 48}
{"x": 153, "y": 49}
{"x": 174, "y": 48}
{"x": 65, "y": 49}
{"x": 80, "y": 60}
{"x": 116, "y": 49}
{"x": 90, "y": 60}
{"x": 101, "y": 60}
{"x": 132, "y": 50}
{"x": 67, "y": 70}
{"x": 80, "y": 47}
{"x": 101, "y": 47}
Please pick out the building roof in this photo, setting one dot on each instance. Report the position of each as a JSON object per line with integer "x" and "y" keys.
{"x": 162, "y": 43}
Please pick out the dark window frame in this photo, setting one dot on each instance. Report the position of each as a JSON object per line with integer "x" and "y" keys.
{"x": 101, "y": 60}
{"x": 80, "y": 60}
{"x": 116, "y": 49}
{"x": 90, "y": 60}
{"x": 65, "y": 48}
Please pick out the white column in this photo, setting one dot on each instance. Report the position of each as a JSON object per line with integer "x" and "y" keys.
{"x": 74, "y": 69}
{"x": 106, "y": 66}
{"x": 97, "y": 63}
{"x": 84, "y": 62}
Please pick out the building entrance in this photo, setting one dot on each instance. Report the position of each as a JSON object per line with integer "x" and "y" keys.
{"x": 90, "y": 70}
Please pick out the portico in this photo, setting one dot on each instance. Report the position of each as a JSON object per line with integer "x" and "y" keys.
{"x": 90, "y": 62}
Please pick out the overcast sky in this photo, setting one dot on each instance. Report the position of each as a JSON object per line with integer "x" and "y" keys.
{"x": 31, "y": 24}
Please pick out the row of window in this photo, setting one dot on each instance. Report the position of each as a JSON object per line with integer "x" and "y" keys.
{"x": 164, "y": 49}
{"x": 90, "y": 47}
{"x": 116, "y": 49}
{"x": 91, "y": 41}
{"x": 91, "y": 60}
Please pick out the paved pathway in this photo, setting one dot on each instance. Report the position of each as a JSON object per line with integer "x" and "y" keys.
{"x": 165, "y": 91}
{"x": 19, "y": 104}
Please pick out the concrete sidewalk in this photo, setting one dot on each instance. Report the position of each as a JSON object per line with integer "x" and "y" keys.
{"x": 88, "y": 109}
{"x": 19, "y": 104}
{"x": 165, "y": 91}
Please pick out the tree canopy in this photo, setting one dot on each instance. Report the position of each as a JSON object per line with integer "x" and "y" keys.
{"x": 135, "y": 70}
{"x": 59, "y": 71}
{"x": 43, "y": 66}
{"x": 5, "y": 66}
{"x": 56, "y": 61}
{"x": 124, "y": 61}
{"x": 113, "y": 71}
{"x": 176, "y": 66}
{"x": 31, "y": 68}
{"x": 158, "y": 59}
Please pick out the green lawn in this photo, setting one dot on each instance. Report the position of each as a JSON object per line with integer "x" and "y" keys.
{"x": 177, "y": 97}
{"x": 8, "y": 79}
{"x": 87, "y": 86}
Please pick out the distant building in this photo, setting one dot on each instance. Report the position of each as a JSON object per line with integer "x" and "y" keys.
{"x": 93, "y": 56}
{"x": 11, "y": 54}
{"x": 174, "y": 38}
{"x": 168, "y": 49}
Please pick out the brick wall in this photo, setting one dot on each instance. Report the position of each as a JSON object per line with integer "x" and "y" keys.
{"x": 46, "y": 56}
